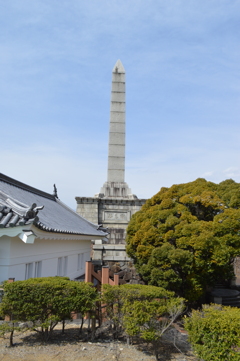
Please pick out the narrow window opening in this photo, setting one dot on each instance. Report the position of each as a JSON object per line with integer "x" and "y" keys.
{"x": 38, "y": 269}
{"x": 28, "y": 270}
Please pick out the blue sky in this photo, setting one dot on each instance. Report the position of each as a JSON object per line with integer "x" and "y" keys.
{"x": 182, "y": 62}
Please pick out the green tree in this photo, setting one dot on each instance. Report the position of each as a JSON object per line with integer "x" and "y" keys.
{"x": 45, "y": 301}
{"x": 186, "y": 236}
{"x": 140, "y": 310}
{"x": 115, "y": 299}
{"x": 214, "y": 333}
{"x": 150, "y": 319}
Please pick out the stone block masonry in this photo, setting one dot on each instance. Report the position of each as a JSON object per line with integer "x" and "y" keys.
{"x": 112, "y": 213}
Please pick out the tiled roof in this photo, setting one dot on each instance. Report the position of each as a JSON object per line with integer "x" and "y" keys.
{"x": 13, "y": 213}
{"x": 21, "y": 204}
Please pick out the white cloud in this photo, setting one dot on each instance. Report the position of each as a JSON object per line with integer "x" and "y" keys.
{"x": 207, "y": 174}
{"x": 231, "y": 169}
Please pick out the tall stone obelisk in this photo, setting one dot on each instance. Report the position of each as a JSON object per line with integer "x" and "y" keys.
{"x": 116, "y": 147}
{"x": 115, "y": 185}
{"x": 115, "y": 204}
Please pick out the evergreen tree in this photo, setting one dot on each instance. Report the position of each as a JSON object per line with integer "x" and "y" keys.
{"x": 187, "y": 236}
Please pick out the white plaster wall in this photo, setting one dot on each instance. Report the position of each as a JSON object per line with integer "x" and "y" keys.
{"x": 15, "y": 254}
{"x": 5, "y": 245}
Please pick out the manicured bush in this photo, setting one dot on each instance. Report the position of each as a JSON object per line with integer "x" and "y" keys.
{"x": 214, "y": 333}
{"x": 114, "y": 298}
{"x": 45, "y": 301}
{"x": 143, "y": 311}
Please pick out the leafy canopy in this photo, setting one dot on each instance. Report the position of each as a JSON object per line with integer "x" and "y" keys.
{"x": 186, "y": 236}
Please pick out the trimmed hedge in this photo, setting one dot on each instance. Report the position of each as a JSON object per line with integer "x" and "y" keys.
{"x": 214, "y": 333}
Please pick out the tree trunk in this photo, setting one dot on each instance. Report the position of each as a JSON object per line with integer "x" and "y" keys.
{"x": 45, "y": 335}
{"x": 81, "y": 326}
{"x": 63, "y": 326}
{"x": 155, "y": 348}
{"x": 93, "y": 329}
{"x": 11, "y": 338}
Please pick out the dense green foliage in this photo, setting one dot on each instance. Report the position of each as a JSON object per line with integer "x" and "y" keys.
{"x": 134, "y": 292}
{"x": 214, "y": 333}
{"x": 40, "y": 303}
{"x": 150, "y": 319}
{"x": 46, "y": 301}
{"x": 115, "y": 297}
{"x": 139, "y": 310}
{"x": 186, "y": 236}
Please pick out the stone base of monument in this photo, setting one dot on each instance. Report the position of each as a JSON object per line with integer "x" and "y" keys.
{"x": 124, "y": 269}
{"x": 115, "y": 257}
{"x": 109, "y": 252}
{"x": 113, "y": 214}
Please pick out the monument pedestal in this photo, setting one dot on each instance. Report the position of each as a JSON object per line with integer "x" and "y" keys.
{"x": 112, "y": 213}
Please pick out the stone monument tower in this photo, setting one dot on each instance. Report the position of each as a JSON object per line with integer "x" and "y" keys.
{"x": 115, "y": 204}
{"x": 115, "y": 185}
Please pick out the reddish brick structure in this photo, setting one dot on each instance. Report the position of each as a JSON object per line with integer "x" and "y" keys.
{"x": 102, "y": 276}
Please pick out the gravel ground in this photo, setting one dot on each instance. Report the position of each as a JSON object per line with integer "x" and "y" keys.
{"x": 29, "y": 347}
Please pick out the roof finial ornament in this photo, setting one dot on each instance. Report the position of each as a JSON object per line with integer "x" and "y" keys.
{"x": 55, "y": 191}
{"x": 32, "y": 211}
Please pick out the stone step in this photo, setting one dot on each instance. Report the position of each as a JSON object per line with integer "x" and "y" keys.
{"x": 232, "y": 305}
{"x": 228, "y": 299}
{"x": 230, "y": 302}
